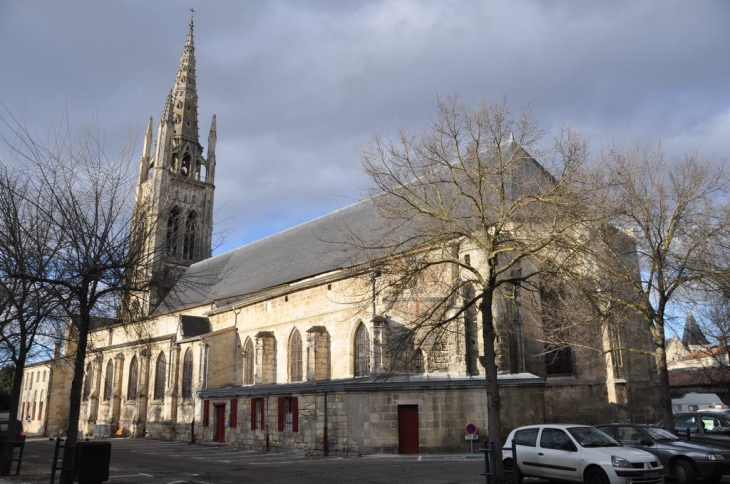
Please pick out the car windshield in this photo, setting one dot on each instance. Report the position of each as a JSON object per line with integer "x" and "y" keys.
{"x": 660, "y": 434}
{"x": 592, "y": 437}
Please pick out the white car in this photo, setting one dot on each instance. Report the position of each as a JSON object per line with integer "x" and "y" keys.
{"x": 577, "y": 453}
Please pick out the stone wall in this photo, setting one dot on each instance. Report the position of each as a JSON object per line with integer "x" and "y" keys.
{"x": 367, "y": 422}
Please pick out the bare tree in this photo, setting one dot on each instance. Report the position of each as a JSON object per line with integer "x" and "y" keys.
{"x": 28, "y": 310}
{"x": 85, "y": 199}
{"x": 676, "y": 213}
{"x": 470, "y": 214}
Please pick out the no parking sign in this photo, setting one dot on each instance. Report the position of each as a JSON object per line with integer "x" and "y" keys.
{"x": 471, "y": 432}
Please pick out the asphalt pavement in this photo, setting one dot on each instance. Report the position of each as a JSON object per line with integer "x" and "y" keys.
{"x": 140, "y": 461}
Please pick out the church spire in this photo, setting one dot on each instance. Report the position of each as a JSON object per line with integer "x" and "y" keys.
{"x": 175, "y": 190}
{"x": 184, "y": 91}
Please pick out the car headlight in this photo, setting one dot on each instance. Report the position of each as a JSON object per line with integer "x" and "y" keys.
{"x": 617, "y": 461}
{"x": 715, "y": 457}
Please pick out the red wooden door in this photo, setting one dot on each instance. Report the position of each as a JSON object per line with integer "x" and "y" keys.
{"x": 408, "y": 429}
{"x": 220, "y": 423}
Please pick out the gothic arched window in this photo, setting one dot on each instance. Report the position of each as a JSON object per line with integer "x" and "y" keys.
{"x": 295, "y": 356}
{"x": 189, "y": 238}
{"x": 187, "y": 379}
{"x": 87, "y": 382}
{"x": 108, "y": 380}
{"x": 132, "y": 383}
{"x": 362, "y": 351}
{"x": 418, "y": 363}
{"x": 160, "y": 369}
{"x": 185, "y": 165}
{"x": 173, "y": 232}
{"x": 248, "y": 359}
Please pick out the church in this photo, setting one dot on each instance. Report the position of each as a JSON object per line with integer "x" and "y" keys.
{"x": 269, "y": 346}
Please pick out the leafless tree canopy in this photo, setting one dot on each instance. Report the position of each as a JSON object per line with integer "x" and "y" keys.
{"x": 470, "y": 214}
{"x": 674, "y": 212}
{"x": 69, "y": 231}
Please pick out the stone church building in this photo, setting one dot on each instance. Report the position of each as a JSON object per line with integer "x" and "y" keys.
{"x": 269, "y": 346}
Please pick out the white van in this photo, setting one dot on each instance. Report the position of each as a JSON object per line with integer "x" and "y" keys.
{"x": 691, "y": 402}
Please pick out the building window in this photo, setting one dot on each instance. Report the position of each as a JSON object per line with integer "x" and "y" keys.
{"x": 558, "y": 357}
{"x": 187, "y": 374}
{"x": 189, "y": 239}
{"x": 362, "y": 351}
{"x": 234, "y": 413}
{"x": 132, "y": 383}
{"x": 160, "y": 369}
{"x": 87, "y": 382}
{"x": 295, "y": 356}
{"x": 418, "y": 363}
{"x": 108, "y": 380}
{"x": 559, "y": 362}
{"x": 248, "y": 359}
{"x": 288, "y": 414}
{"x": 185, "y": 166}
{"x": 258, "y": 414}
{"x": 173, "y": 232}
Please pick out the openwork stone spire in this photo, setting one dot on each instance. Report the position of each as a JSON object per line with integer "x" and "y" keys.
{"x": 184, "y": 93}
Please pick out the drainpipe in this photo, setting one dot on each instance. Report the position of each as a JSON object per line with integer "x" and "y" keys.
{"x": 325, "y": 450}
{"x": 266, "y": 426}
{"x": 192, "y": 423}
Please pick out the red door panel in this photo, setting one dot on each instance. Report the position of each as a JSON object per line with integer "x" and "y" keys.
{"x": 408, "y": 429}
{"x": 220, "y": 423}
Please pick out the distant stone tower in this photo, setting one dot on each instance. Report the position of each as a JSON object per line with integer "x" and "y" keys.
{"x": 174, "y": 199}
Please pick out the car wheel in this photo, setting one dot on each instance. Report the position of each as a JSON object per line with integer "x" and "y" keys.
{"x": 596, "y": 475}
{"x": 511, "y": 475}
{"x": 683, "y": 471}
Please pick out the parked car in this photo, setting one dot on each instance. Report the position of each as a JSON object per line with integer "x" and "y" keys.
{"x": 684, "y": 461}
{"x": 704, "y": 427}
{"x": 19, "y": 434}
{"x": 577, "y": 453}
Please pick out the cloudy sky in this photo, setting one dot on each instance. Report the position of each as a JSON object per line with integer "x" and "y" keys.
{"x": 299, "y": 87}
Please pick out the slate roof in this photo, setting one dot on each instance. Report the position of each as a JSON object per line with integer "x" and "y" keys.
{"x": 372, "y": 383}
{"x": 319, "y": 246}
{"x": 322, "y": 245}
{"x": 692, "y": 334}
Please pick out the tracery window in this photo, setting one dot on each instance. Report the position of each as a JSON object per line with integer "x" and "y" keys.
{"x": 189, "y": 238}
{"x": 160, "y": 369}
{"x": 418, "y": 363}
{"x": 132, "y": 383}
{"x": 173, "y": 232}
{"x": 87, "y": 382}
{"x": 108, "y": 380}
{"x": 248, "y": 361}
{"x": 295, "y": 356}
{"x": 187, "y": 378}
{"x": 362, "y": 351}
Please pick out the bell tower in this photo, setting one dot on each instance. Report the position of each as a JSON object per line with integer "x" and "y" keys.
{"x": 173, "y": 214}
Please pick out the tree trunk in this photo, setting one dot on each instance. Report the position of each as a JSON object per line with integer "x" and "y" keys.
{"x": 494, "y": 424}
{"x": 7, "y": 450}
{"x": 69, "y": 455}
{"x": 665, "y": 395}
